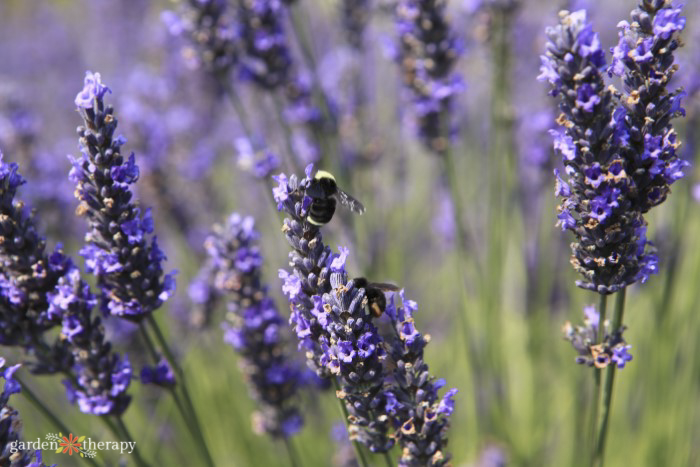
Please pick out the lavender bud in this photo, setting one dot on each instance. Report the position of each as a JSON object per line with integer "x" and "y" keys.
{"x": 254, "y": 327}
{"x": 613, "y": 348}
{"x": 120, "y": 250}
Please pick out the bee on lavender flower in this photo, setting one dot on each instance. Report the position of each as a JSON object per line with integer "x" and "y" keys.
{"x": 324, "y": 193}
{"x": 374, "y": 293}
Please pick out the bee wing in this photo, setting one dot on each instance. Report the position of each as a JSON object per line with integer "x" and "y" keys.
{"x": 350, "y": 202}
{"x": 384, "y": 287}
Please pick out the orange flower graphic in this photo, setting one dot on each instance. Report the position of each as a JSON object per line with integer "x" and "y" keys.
{"x": 70, "y": 445}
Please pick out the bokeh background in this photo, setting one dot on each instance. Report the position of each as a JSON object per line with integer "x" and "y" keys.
{"x": 522, "y": 398}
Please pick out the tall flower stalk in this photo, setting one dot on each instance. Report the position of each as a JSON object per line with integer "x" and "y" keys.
{"x": 381, "y": 380}
{"x": 121, "y": 250}
{"x": 619, "y": 153}
{"x": 254, "y": 327}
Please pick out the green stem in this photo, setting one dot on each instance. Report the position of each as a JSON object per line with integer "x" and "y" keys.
{"x": 359, "y": 454}
{"x": 195, "y": 426}
{"x": 292, "y": 158}
{"x": 388, "y": 460}
{"x": 291, "y": 451}
{"x": 45, "y": 411}
{"x": 609, "y": 381}
{"x": 600, "y": 336}
{"x": 137, "y": 456}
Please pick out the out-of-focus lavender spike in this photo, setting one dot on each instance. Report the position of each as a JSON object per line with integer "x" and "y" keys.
{"x": 355, "y": 15}
{"x": 598, "y": 200}
{"x": 10, "y": 424}
{"x": 28, "y": 274}
{"x": 253, "y": 325}
{"x": 426, "y": 55}
{"x": 121, "y": 250}
{"x": 611, "y": 349}
{"x": 422, "y": 416}
{"x": 210, "y": 27}
{"x": 102, "y": 376}
{"x": 266, "y": 61}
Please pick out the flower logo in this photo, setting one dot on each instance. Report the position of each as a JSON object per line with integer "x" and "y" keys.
{"x": 70, "y": 444}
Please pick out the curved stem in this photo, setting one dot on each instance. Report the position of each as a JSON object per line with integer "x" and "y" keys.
{"x": 609, "y": 381}
{"x": 359, "y": 454}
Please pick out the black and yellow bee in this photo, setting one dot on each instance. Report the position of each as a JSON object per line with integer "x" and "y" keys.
{"x": 324, "y": 191}
{"x": 374, "y": 292}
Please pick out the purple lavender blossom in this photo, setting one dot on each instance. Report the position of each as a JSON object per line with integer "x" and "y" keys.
{"x": 210, "y": 27}
{"x": 121, "y": 250}
{"x": 267, "y": 61}
{"x": 644, "y": 59}
{"x": 101, "y": 376}
{"x": 254, "y": 327}
{"x": 598, "y": 201}
{"x": 160, "y": 375}
{"x": 355, "y": 15}
{"x": 426, "y": 54}
{"x": 612, "y": 348}
{"x": 27, "y": 275}
{"x": 331, "y": 319}
{"x": 10, "y": 424}
{"x": 423, "y": 416}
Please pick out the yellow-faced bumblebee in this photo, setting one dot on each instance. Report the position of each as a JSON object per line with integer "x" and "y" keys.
{"x": 374, "y": 292}
{"x": 324, "y": 191}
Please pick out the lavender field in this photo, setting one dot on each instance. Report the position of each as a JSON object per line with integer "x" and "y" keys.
{"x": 349, "y": 233}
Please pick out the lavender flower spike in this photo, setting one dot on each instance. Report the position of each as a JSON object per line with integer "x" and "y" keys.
{"x": 644, "y": 59}
{"x": 10, "y": 424}
{"x": 426, "y": 54}
{"x": 267, "y": 60}
{"x": 120, "y": 250}
{"x": 331, "y": 318}
{"x": 210, "y": 27}
{"x": 598, "y": 202}
{"x": 28, "y": 273}
{"x": 102, "y": 377}
{"x": 423, "y": 417}
{"x": 255, "y": 328}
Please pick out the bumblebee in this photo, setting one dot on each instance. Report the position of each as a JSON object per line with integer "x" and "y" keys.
{"x": 374, "y": 292}
{"x": 324, "y": 191}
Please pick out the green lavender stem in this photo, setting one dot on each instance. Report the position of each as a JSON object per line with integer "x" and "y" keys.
{"x": 292, "y": 453}
{"x": 597, "y": 374}
{"x": 609, "y": 381}
{"x": 137, "y": 456}
{"x": 197, "y": 428}
{"x": 359, "y": 454}
{"x": 502, "y": 158}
